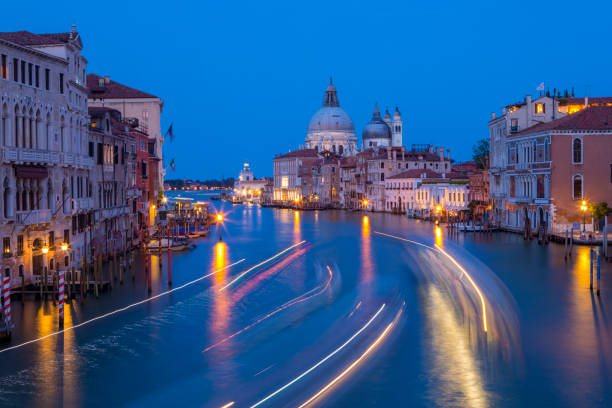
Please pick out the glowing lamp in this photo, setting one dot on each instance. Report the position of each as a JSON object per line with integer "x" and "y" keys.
{"x": 365, "y": 203}
{"x": 45, "y": 249}
{"x": 219, "y": 217}
{"x": 438, "y": 208}
{"x": 165, "y": 200}
{"x": 64, "y": 246}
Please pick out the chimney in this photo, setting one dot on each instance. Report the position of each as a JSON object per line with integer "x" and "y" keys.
{"x": 448, "y": 154}
{"x": 107, "y": 80}
{"x": 586, "y": 102}
{"x": 492, "y": 115}
{"x": 441, "y": 153}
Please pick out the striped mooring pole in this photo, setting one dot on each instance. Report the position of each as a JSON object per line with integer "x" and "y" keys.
{"x": 60, "y": 297}
{"x": 6, "y": 294}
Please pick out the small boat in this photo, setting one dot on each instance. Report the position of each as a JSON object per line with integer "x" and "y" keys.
{"x": 176, "y": 244}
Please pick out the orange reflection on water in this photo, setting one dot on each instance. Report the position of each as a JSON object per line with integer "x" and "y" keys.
{"x": 366, "y": 251}
{"x": 439, "y": 238}
{"x": 220, "y": 310}
{"x": 297, "y": 230}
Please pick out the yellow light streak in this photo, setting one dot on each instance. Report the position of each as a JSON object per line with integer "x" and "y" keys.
{"x": 349, "y": 368}
{"x": 296, "y": 379}
{"x": 259, "y": 264}
{"x": 229, "y": 404}
{"x": 465, "y": 273}
{"x": 121, "y": 309}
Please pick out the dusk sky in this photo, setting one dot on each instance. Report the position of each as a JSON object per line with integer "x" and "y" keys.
{"x": 240, "y": 81}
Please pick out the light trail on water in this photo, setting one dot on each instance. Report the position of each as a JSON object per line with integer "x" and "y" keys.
{"x": 350, "y": 367}
{"x": 229, "y": 404}
{"x": 121, "y": 309}
{"x": 292, "y": 302}
{"x": 259, "y": 264}
{"x": 458, "y": 265}
{"x": 336, "y": 351}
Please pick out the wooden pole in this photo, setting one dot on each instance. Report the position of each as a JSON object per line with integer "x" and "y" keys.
{"x": 95, "y": 272}
{"x": 169, "y": 258}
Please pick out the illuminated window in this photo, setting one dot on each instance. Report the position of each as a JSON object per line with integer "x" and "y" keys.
{"x": 540, "y": 108}
{"x": 285, "y": 181}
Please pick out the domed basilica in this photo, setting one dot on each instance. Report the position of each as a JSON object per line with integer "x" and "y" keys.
{"x": 331, "y": 128}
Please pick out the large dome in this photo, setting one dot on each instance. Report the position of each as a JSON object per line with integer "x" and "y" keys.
{"x": 376, "y": 128}
{"x": 330, "y": 118}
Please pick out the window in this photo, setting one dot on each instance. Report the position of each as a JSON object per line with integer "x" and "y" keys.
{"x": 30, "y": 73}
{"x": 91, "y": 149}
{"x": 6, "y": 243}
{"x": 23, "y": 72}
{"x": 47, "y": 79}
{"x": 285, "y": 181}
{"x": 382, "y": 176}
{"x": 37, "y": 72}
{"x": 577, "y": 151}
{"x": 116, "y": 154}
{"x": 100, "y": 153}
{"x": 382, "y": 165}
{"x": 15, "y": 69}
{"x": 19, "y": 245}
{"x": 540, "y": 108}
{"x": 3, "y": 68}
{"x": 51, "y": 238}
{"x": 61, "y": 83}
{"x": 577, "y": 187}
{"x": 67, "y": 236}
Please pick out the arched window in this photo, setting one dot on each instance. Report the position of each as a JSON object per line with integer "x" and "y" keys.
{"x": 334, "y": 148}
{"x": 341, "y": 149}
{"x": 5, "y": 198}
{"x": 577, "y": 187}
{"x": 577, "y": 151}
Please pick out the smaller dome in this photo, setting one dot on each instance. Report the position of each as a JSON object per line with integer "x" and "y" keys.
{"x": 387, "y": 115}
{"x": 376, "y": 128}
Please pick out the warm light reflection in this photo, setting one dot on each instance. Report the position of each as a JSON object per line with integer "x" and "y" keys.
{"x": 220, "y": 310}
{"x": 367, "y": 268}
{"x": 454, "y": 361}
{"x": 438, "y": 236}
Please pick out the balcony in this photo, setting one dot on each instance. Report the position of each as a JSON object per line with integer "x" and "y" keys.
{"x": 33, "y": 217}
{"x": 23, "y": 155}
{"x": 84, "y": 204}
{"x": 108, "y": 213}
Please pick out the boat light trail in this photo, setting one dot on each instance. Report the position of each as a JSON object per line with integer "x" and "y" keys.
{"x": 349, "y": 368}
{"x": 467, "y": 275}
{"x": 299, "y": 377}
{"x": 292, "y": 302}
{"x": 259, "y": 264}
{"x": 458, "y": 265}
{"x": 121, "y": 309}
{"x": 229, "y": 404}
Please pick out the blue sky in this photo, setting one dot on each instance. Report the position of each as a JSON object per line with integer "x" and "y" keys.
{"x": 240, "y": 80}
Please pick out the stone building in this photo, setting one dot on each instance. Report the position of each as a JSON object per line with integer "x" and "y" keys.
{"x": 247, "y": 187}
{"x": 46, "y": 171}
{"x": 132, "y": 103}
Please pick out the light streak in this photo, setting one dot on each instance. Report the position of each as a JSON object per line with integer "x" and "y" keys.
{"x": 229, "y": 404}
{"x": 299, "y": 377}
{"x": 120, "y": 310}
{"x": 465, "y": 273}
{"x": 259, "y": 264}
{"x": 264, "y": 370}
{"x": 293, "y": 302}
{"x": 349, "y": 368}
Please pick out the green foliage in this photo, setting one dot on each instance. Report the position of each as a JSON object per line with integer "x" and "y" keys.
{"x": 600, "y": 210}
{"x": 480, "y": 151}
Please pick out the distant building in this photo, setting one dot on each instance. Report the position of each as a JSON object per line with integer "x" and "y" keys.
{"x": 247, "y": 187}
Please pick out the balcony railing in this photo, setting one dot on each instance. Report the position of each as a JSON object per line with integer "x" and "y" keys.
{"x": 84, "y": 203}
{"x": 33, "y": 217}
{"x": 18, "y": 154}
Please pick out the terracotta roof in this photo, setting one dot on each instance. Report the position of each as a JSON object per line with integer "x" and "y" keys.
{"x": 592, "y": 118}
{"x": 592, "y": 100}
{"x": 112, "y": 90}
{"x": 299, "y": 153}
{"x": 416, "y": 173}
{"x": 347, "y": 162}
{"x": 28, "y": 38}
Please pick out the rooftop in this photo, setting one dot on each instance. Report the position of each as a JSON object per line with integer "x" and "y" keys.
{"x": 299, "y": 153}
{"x": 592, "y": 118}
{"x": 104, "y": 88}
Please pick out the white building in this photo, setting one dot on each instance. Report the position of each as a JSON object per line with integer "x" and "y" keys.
{"x": 247, "y": 187}
{"x": 331, "y": 128}
{"x": 45, "y": 168}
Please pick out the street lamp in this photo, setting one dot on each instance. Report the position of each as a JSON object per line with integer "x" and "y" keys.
{"x": 219, "y": 221}
{"x": 583, "y": 208}
{"x": 438, "y": 209}
{"x": 64, "y": 246}
{"x": 45, "y": 249}
{"x": 365, "y": 204}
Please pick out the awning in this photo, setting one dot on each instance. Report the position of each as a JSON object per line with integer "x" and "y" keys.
{"x": 35, "y": 172}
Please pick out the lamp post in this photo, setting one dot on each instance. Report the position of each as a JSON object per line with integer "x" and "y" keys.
{"x": 438, "y": 209}
{"x": 583, "y": 208}
{"x": 365, "y": 204}
{"x": 219, "y": 221}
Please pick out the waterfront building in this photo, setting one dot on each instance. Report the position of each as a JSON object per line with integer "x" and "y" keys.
{"x": 400, "y": 190}
{"x": 326, "y": 181}
{"x": 293, "y": 175}
{"x": 331, "y": 128}
{"x": 135, "y": 104}
{"x": 247, "y": 187}
{"x": 114, "y": 176}
{"x": 46, "y": 171}
{"x": 554, "y": 166}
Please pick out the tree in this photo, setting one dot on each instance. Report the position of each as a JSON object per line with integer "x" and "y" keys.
{"x": 480, "y": 152}
{"x": 599, "y": 211}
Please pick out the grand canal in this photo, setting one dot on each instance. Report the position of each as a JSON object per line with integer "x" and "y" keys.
{"x": 329, "y": 308}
